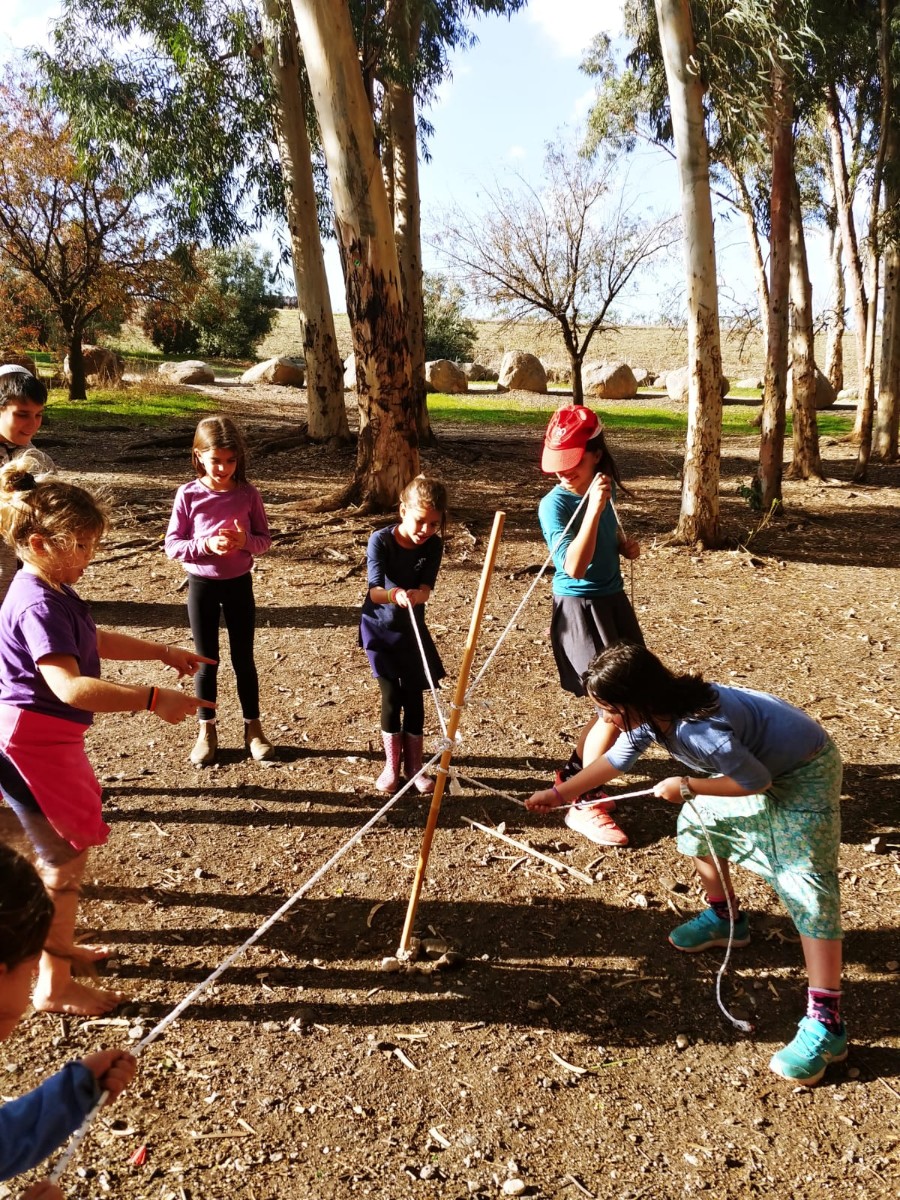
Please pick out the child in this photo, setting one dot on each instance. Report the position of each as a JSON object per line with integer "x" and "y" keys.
{"x": 38, "y": 1123}
{"x": 218, "y": 524}
{"x": 403, "y": 562}
{"x": 590, "y": 608}
{"x": 772, "y": 804}
{"x": 50, "y": 685}
{"x": 22, "y": 400}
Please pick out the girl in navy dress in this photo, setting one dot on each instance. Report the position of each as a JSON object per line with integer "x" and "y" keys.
{"x": 403, "y": 562}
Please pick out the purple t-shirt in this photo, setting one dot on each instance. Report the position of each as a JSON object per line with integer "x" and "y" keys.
{"x": 199, "y": 512}
{"x": 36, "y": 620}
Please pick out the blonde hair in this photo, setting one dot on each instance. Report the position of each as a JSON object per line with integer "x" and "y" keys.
{"x": 58, "y": 512}
{"x": 427, "y": 492}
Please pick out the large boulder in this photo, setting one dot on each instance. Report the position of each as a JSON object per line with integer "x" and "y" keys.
{"x": 826, "y": 396}
{"x": 350, "y": 373}
{"x": 609, "y": 381}
{"x": 642, "y": 377}
{"x": 520, "y": 371}
{"x": 286, "y": 372}
{"x": 678, "y": 383}
{"x": 100, "y": 366}
{"x": 474, "y": 372}
{"x": 25, "y": 361}
{"x": 189, "y": 371}
{"x": 442, "y": 375}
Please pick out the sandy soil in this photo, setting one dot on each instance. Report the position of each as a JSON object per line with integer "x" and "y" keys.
{"x": 571, "y": 1049}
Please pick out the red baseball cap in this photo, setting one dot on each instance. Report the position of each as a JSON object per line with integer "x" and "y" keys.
{"x": 567, "y": 435}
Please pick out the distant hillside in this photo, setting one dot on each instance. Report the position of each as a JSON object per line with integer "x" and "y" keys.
{"x": 655, "y": 347}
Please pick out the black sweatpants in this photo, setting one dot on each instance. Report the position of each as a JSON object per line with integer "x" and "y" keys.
{"x": 232, "y": 599}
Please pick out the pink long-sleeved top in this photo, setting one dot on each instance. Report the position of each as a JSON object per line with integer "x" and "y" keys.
{"x": 199, "y": 513}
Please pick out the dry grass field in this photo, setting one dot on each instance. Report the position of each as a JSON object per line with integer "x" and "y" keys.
{"x": 655, "y": 347}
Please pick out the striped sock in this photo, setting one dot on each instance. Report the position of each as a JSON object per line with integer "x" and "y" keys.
{"x": 824, "y": 1006}
{"x": 719, "y": 905}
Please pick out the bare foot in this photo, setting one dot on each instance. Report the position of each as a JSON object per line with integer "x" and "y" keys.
{"x": 78, "y": 1000}
{"x": 80, "y": 953}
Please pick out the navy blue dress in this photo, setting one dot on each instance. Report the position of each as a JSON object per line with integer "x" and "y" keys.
{"x": 385, "y": 630}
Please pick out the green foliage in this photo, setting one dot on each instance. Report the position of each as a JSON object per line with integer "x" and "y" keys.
{"x": 229, "y": 311}
{"x": 134, "y": 406}
{"x": 448, "y": 332}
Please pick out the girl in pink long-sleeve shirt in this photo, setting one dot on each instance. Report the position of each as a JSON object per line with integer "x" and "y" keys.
{"x": 218, "y": 525}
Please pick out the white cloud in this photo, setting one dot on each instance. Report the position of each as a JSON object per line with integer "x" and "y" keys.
{"x": 27, "y": 22}
{"x": 570, "y": 25}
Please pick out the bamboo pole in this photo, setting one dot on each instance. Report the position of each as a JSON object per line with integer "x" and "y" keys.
{"x": 459, "y": 697}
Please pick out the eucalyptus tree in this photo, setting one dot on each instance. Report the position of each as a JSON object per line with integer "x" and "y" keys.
{"x": 404, "y": 48}
{"x": 189, "y": 99}
{"x": 388, "y": 446}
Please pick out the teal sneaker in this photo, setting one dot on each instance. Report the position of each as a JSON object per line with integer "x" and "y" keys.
{"x": 805, "y": 1059}
{"x": 709, "y": 930}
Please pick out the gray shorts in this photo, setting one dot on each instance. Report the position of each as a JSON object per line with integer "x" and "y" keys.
{"x": 583, "y": 626}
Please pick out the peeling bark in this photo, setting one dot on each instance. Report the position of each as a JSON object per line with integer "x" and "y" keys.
{"x": 327, "y": 414}
{"x": 699, "y": 517}
{"x": 834, "y": 350}
{"x": 771, "y": 441}
{"x": 806, "y": 461}
{"x": 388, "y": 447}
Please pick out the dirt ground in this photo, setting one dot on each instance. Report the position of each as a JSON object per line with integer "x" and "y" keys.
{"x": 571, "y": 1050}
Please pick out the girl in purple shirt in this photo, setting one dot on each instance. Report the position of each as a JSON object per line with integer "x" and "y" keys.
{"x": 50, "y": 687}
{"x": 218, "y": 525}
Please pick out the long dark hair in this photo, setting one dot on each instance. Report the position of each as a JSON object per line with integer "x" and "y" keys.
{"x": 25, "y": 909}
{"x": 220, "y": 433}
{"x": 630, "y": 678}
{"x": 606, "y": 464}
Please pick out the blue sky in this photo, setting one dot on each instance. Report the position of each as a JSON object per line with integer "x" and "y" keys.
{"x": 518, "y": 88}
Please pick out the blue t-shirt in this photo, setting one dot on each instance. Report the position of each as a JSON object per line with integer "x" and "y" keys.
{"x": 754, "y": 738}
{"x": 36, "y": 1124}
{"x": 603, "y": 576}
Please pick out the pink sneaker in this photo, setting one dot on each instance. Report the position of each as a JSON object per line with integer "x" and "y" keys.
{"x": 597, "y": 797}
{"x": 595, "y": 823}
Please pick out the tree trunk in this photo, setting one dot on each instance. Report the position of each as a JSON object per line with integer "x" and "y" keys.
{"x": 408, "y": 235}
{"x": 326, "y": 411}
{"x": 388, "y": 447}
{"x": 866, "y": 409}
{"x": 771, "y": 441}
{"x": 77, "y": 380}
{"x": 807, "y": 461}
{"x": 834, "y": 350}
{"x": 850, "y": 247}
{"x": 699, "y": 517}
{"x": 759, "y": 266}
{"x": 887, "y": 413}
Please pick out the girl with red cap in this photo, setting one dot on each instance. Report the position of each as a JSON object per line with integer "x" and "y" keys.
{"x": 590, "y": 607}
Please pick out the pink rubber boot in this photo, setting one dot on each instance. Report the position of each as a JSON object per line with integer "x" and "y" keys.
{"x": 412, "y": 762}
{"x": 389, "y": 778}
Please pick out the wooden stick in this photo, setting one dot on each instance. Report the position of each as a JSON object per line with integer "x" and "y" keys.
{"x": 453, "y": 723}
{"x": 554, "y": 862}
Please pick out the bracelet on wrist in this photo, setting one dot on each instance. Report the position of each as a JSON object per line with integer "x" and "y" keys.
{"x": 392, "y": 595}
{"x": 687, "y": 792}
{"x": 556, "y": 792}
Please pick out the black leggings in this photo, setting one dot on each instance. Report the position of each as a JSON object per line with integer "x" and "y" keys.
{"x": 395, "y": 698}
{"x": 233, "y": 599}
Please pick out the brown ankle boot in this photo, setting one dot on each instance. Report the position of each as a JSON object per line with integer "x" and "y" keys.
{"x": 206, "y": 745}
{"x": 261, "y": 749}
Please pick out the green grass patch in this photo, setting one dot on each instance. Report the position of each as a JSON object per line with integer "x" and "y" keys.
{"x": 144, "y": 406}
{"x": 490, "y": 409}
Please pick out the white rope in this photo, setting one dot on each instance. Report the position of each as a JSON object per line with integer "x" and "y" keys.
{"x": 744, "y": 1026}
{"x": 434, "y": 694}
{"x": 79, "y": 1135}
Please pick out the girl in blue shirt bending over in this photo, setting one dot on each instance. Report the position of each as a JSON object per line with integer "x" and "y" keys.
{"x": 403, "y": 562}
{"x": 765, "y": 780}
{"x": 590, "y": 608}
{"x": 34, "y": 1125}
